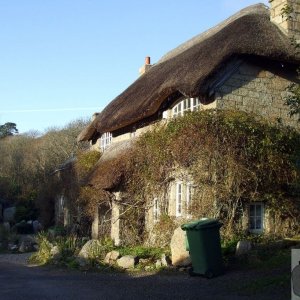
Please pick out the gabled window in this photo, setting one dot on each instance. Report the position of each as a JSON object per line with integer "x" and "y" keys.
{"x": 105, "y": 140}
{"x": 256, "y": 217}
{"x": 155, "y": 210}
{"x": 178, "y": 199}
{"x": 188, "y": 104}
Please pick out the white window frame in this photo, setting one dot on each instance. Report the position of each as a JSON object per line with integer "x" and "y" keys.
{"x": 186, "y": 104}
{"x": 255, "y": 217}
{"x": 105, "y": 140}
{"x": 179, "y": 194}
{"x": 156, "y": 211}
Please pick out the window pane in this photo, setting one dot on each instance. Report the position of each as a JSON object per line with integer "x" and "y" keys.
{"x": 258, "y": 223}
{"x": 252, "y": 223}
{"x": 252, "y": 210}
{"x": 258, "y": 210}
{"x": 188, "y": 103}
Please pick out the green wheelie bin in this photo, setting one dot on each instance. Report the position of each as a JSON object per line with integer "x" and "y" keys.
{"x": 203, "y": 237}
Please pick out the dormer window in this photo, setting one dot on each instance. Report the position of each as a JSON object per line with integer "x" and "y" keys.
{"x": 188, "y": 104}
{"x": 105, "y": 140}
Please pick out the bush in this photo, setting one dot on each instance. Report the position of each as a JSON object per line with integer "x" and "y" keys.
{"x": 43, "y": 255}
{"x": 161, "y": 234}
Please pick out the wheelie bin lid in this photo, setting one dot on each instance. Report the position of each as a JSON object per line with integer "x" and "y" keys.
{"x": 201, "y": 224}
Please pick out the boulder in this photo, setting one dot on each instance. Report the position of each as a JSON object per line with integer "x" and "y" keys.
{"x": 82, "y": 262}
{"x": 55, "y": 253}
{"x": 9, "y": 214}
{"x": 158, "y": 264}
{"x": 37, "y": 226}
{"x": 127, "y": 261}
{"x": 27, "y": 244}
{"x": 144, "y": 261}
{"x": 88, "y": 248}
{"x": 180, "y": 257}
{"x": 6, "y": 226}
{"x": 111, "y": 257}
{"x": 165, "y": 260}
{"x": 12, "y": 247}
{"x": 243, "y": 247}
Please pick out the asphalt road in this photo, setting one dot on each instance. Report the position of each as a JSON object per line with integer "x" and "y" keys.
{"x": 18, "y": 281}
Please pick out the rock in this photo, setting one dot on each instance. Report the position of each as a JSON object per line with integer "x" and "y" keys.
{"x": 180, "y": 257}
{"x": 26, "y": 244}
{"x": 12, "y": 247}
{"x": 88, "y": 248}
{"x": 82, "y": 262}
{"x": 111, "y": 257}
{"x": 148, "y": 268}
{"x": 9, "y": 214}
{"x": 37, "y": 226}
{"x": 6, "y": 226}
{"x": 127, "y": 261}
{"x": 55, "y": 252}
{"x": 243, "y": 247}
{"x": 158, "y": 264}
{"x": 165, "y": 260}
{"x": 144, "y": 261}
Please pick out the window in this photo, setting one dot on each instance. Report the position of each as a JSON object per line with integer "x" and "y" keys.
{"x": 189, "y": 194}
{"x": 188, "y": 104}
{"x": 105, "y": 140}
{"x": 178, "y": 199}
{"x": 256, "y": 217}
{"x": 155, "y": 210}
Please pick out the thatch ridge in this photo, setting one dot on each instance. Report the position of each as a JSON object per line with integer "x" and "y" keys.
{"x": 191, "y": 67}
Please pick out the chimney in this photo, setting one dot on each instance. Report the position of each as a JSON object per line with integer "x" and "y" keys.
{"x": 145, "y": 68}
{"x": 286, "y": 15}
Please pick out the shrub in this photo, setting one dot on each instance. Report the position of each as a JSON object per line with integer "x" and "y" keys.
{"x": 233, "y": 157}
{"x": 43, "y": 255}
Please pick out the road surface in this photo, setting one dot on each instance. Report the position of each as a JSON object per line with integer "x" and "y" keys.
{"x": 21, "y": 282}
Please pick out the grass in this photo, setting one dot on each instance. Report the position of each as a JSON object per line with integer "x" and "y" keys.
{"x": 143, "y": 252}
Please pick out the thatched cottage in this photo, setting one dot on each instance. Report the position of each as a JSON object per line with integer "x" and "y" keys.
{"x": 244, "y": 63}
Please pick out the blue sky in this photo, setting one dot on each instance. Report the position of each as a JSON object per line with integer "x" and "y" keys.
{"x": 61, "y": 60}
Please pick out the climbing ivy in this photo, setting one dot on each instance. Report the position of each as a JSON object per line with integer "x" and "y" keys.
{"x": 233, "y": 158}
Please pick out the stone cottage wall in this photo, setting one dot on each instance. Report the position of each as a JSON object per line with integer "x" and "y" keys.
{"x": 258, "y": 91}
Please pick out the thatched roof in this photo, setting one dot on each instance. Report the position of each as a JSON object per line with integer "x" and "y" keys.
{"x": 110, "y": 168}
{"x": 190, "y": 68}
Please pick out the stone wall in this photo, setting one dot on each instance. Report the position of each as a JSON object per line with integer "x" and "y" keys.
{"x": 262, "y": 92}
{"x": 290, "y": 26}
